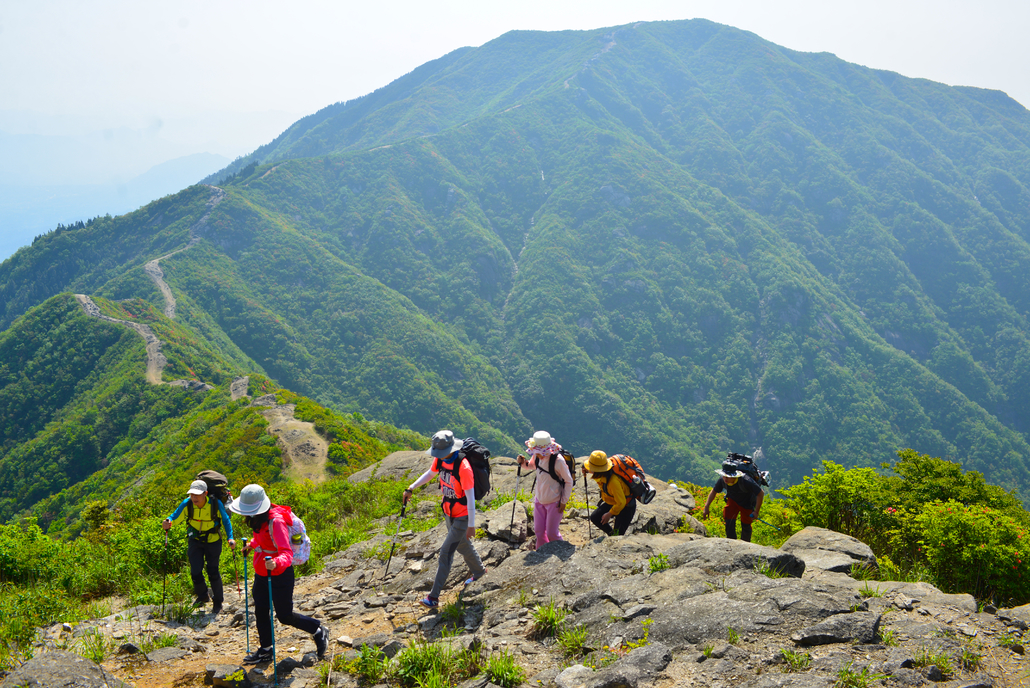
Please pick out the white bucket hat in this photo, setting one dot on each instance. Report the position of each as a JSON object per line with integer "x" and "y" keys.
{"x": 541, "y": 438}
{"x": 251, "y": 502}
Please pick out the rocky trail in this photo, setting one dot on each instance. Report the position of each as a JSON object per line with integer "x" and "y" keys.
{"x": 660, "y": 608}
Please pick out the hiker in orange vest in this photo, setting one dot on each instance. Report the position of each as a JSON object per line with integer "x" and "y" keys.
{"x": 459, "y": 511}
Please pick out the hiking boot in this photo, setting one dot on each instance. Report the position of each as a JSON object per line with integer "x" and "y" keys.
{"x": 259, "y": 656}
{"x": 216, "y": 608}
{"x": 200, "y": 602}
{"x": 430, "y": 602}
{"x": 472, "y": 579}
{"x": 321, "y": 638}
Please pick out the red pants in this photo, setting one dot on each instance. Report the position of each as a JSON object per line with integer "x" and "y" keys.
{"x": 730, "y": 511}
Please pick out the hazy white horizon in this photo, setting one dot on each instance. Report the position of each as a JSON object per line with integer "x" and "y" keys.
{"x": 100, "y": 92}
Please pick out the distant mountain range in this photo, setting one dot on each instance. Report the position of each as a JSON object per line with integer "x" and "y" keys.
{"x": 672, "y": 240}
{"x": 27, "y": 210}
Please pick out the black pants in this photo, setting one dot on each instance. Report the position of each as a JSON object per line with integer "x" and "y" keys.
{"x": 198, "y": 552}
{"x": 622, "y": 519}
{"x": 282, "y": 600}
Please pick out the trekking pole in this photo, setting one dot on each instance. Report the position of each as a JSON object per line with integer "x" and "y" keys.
{"x": 164, "y": 585}
{"x": 236, "y": 571}
{"x": 511, "y": 526}
{"x": 271, "y": 619}
{"x": 246, "y": 597}
{"x": 394, "y": 543}
{"x": 586, "y": 491}
{"x": 765, "y": 522}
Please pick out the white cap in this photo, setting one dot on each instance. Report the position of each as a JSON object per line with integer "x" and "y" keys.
{"x": 198, "y": 487}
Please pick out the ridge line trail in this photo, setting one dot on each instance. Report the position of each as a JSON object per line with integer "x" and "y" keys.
{"x": 154, "y": 271}
{"x": 156, "y": 360}
{"x": 305, "y": 451}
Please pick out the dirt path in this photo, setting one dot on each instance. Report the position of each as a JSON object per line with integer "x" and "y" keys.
{"x": 154, "y": 271}
{"x": 155, "y": 359}
{"x": 304, "y": 450}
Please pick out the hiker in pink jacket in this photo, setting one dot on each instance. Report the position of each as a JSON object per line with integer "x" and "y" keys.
{"x": 554, "y": 483}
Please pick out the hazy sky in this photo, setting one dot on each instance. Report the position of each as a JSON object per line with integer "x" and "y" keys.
{"x": 225, "y": 76}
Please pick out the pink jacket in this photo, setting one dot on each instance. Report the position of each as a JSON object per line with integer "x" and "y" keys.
{"x": 548, "y": 490}
{"x": 273, "y": 540}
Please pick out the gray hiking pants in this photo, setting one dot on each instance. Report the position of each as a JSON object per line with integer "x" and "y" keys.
{"x": 456, "y": 540}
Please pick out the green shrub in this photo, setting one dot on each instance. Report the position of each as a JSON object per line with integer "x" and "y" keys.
{"x": 502, "y": 670}
{"x": 571, "y": 640}
{"x": 547, "y": 619}
{"x": 849, "y": 678}
{"x": 658, "y": 563}
{"x": 795, "y": 661}
{"x": 372, "y": 665}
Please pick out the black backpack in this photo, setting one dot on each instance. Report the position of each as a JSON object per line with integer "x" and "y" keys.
{"x": 746, "y": 465}
{"x": 570, "y": 460}
{"x": 479, "y": 459}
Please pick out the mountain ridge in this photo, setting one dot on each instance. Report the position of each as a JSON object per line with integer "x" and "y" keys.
{"x": 672, "y": 239}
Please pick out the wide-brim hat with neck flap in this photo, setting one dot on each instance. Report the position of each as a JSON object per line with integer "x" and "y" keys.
{"x": 251, "y": 502}
{"x": 444, "y": 444}
{"x": 598, "y": 462}
{"x": 728, "y": 470}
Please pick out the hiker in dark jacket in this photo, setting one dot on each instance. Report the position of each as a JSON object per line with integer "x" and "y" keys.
{"x": 743, "y": 497}
{"x": 459, "y": 510}
{"x": 616, "y": 500}
{"x": 204, "y": 541}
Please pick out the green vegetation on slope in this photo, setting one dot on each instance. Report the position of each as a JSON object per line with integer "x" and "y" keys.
{"x": 672, "y": 240}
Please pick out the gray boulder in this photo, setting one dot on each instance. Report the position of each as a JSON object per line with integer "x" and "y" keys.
{"x": 811, "y": 541}
{"x": 508, "y": 522}
{"x": 667, "y": 510}
{"x": 857, "y": 627}
{"x": 60, "y": 669}
{"x": 719, "y": 555}
{"x": 226, "y": 675}
{"x": 638, "y": 668}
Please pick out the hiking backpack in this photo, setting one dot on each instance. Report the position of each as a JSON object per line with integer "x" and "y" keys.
{"x": 479, "y": 459}
{"x": 746, "y": 465}
{"x": 300, "y": 543}
{"x": 630, "y": 470}
{"x": 217, "y": 488}
{"x": 570, "y": 461}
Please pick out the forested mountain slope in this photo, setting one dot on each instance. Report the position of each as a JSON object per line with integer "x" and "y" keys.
{"x": 671, "y": 239}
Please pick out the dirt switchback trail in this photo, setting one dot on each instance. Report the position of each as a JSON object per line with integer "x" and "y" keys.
{"x": 155, "y": 359}
{"x": 304, "y": 450}
{"x": 154, "y": 271}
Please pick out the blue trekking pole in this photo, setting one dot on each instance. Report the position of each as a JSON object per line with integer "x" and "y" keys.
{"x": 765, "y": 522}
{"x": 246, "y": 598}
{"x": 271, "y": 619}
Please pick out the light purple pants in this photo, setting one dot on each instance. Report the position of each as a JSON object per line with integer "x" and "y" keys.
{"x": 546, "y": 518}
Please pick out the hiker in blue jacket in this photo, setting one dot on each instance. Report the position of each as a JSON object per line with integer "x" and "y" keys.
{"x": 204, "y": 519}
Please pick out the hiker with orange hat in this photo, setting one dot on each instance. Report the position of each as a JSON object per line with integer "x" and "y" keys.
{"x": 553, "y": 489}
{"x": 743, "y": 497}
{"x": 616, "y": 500}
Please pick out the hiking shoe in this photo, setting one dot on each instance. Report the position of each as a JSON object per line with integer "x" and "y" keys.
{"x": 321, "y": 638}
{"x": 216, "y": 608}
{"x": 199, "y": 602}
{"x": 472, "y": 579}
{"x": 430, "y": 602}
{"x": 259, "y": 656}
